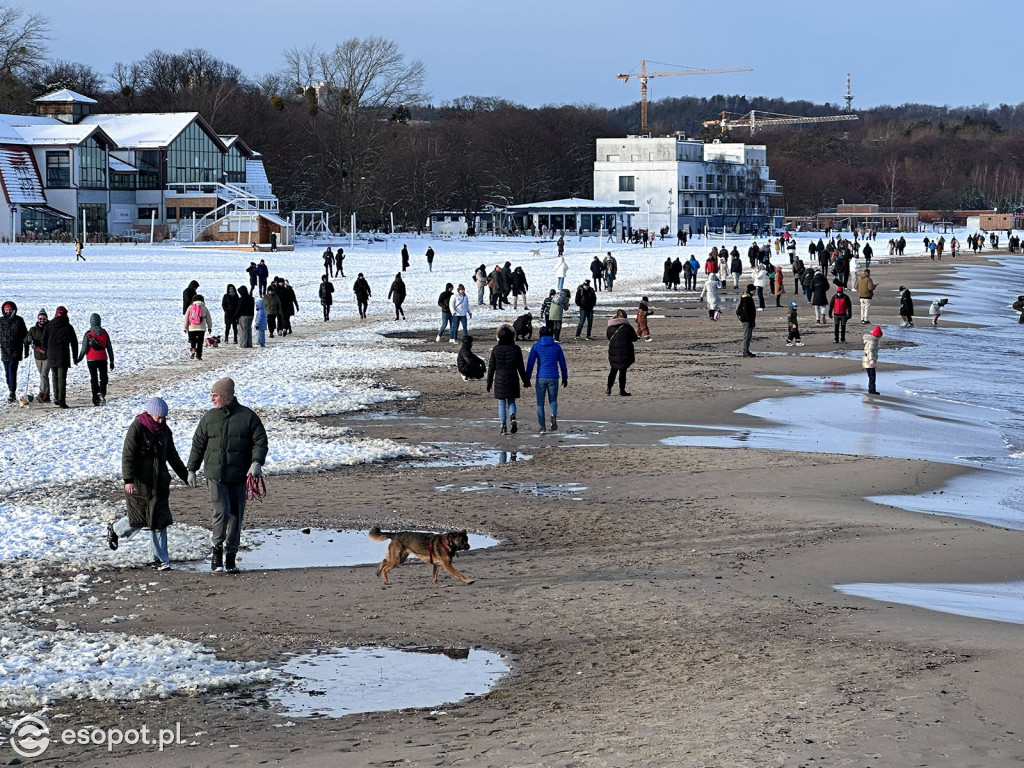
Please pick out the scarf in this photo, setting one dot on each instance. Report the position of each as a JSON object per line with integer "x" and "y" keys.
{"x": 152, "y": 424}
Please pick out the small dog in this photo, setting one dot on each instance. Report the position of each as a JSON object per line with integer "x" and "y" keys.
{"x": 535, "y": 251}
{"x": 213, "y": 341}
{"x": 436, "y": 549}
{"x": 523, "y": 326}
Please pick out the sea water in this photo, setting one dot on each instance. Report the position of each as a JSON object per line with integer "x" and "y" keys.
{"x": 961, "y": 404}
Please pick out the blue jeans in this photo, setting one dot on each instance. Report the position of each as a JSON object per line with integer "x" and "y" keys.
{"x": 11, "y": 370}
{"x": 456, "y": 321}
{"x": 549, "y": 387}
{"x": 480, "y": 293}
{"x": 561, "y": 283}
{"x": 157, "y": 538}
{"x": 446, "y": 320}
{"x": 586, "y": 316}
{"x": 506, "y": 408}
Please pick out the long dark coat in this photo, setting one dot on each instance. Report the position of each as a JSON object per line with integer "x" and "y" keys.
{"x": 60, "y": 343}
{"x": 621, "y": 353}
{"x": 144, "y": 461}
{"x": 506, "y": 367}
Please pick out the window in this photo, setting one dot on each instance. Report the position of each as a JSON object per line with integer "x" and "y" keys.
{"x": 627, "y": 202}
{"x": 171, "y": 212}
{"x": 92, "y": 165}
{"x": 58, "y": 169}
{"x": 95, "y": 217}
{"x": 146, "y": 214}
{"x": 234, "y": 166}
{"x": 122, "y": 180}
{"x": 611, "y": 158}
{"x": 627, "y": 183}
{"x": 194, "y": 157}
{"x": 149, "y": 169}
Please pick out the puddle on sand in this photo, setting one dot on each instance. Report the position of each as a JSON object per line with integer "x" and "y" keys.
{"x": 345, "y": 681}
{"x": 571, "y": 491}
{"x": 468, "y": 455}
{"x": 282, "y": 548}
{"x": 996, "y": 602}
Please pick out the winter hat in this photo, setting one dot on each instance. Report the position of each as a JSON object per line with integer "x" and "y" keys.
{"x": 545, "y": 331}
{"x": 792, "y": 304}
{"x": 839, "y": 289}
{"x": 156, "y": 406}
{"x": 224, "y": 387}
{"x": 750, "y": 287}
{"x": 587, "y": 282}
{"x": 877, "y": 332}
{"x": 62, "y": 311}
{"x": 42, "y": 313}
{"x": 902, "y": 289}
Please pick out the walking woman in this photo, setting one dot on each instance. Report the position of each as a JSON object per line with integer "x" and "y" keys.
{"x": 148, "y": 449}
{"x": 397, "y": 295}
{"x": 229, "y": 304}
{"x": 504, "y": 372}
{"x": 96, "y": 348}
{"x": 621, "y": 352}
{"x": 61, "y": 350}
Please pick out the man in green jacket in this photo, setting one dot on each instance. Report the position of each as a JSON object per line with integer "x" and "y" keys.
{"x": 231, "y": 445}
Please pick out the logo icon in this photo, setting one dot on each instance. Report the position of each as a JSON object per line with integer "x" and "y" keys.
{"x": 30, "y": 737}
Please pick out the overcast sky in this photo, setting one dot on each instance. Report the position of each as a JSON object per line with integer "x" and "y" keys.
{"x": 568, "y": 51}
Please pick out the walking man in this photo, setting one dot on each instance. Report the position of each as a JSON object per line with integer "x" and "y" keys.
{"x": 586, "y": 300}
{"x": 231, "y": 445}
{"x": 12, "y": 339}
{"x": 746, "y": 311}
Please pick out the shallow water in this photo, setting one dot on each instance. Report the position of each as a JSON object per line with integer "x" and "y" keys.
{"x": 344, "y": 681}
{"x": 570, "y": 491}
{"x": 997, "y": 602}
{"x": 283, "y": 548}
{"x": 469, "y": 455}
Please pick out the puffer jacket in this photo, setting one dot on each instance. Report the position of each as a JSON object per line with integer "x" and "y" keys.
{"x": 272, "y": 303}
{"x": 95, "y": 337}
{"x": 865, "y": 287}
{"x": 144, "y": 460}
{"x": 819, "y": 290}
{"x": 505, "y": 369}
{"x": 470, "y": 366}
{"x": 34, "y": 341}
{"x": 558, "y": 306}
{"x": 906, "y": 303}
{"x": 870, "y": 351}
{"x": 548, "y": 356}
{"x": 710, "y": 292}
{"x": 226, "y": 442}
{"x": 621, "y": 352}
{"x": 12, "y": 334}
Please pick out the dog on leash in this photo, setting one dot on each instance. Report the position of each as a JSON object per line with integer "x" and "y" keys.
{"x": 523, "y": 326}
{"x": 436, "y": 549}
{"x": 213, "y": 341}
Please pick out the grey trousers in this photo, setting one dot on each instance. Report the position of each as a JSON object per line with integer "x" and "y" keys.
{"x": 245, "y": 326}
{"x": 228, "y": 503}
{"x": 43, "y": 366}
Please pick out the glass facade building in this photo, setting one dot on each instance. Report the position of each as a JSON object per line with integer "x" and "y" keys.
{"x": 193, "y": 156}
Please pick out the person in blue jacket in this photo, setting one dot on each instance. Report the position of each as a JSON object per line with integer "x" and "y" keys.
{"x": 549, "y": 358}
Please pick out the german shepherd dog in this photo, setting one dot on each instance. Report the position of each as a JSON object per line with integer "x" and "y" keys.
{"x": 436, "y": 549}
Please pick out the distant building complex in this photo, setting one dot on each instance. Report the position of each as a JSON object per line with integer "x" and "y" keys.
{"x": 67, "y": 171}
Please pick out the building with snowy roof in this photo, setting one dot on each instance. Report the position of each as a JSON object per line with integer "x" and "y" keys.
{"x": 687, "y": 183}
{"x": 68, "y": 170}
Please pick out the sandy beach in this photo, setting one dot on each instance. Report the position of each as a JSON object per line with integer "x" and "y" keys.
{"x": 681, "y": 613}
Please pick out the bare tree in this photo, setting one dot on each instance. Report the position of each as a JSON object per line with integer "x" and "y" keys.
{"x": 57, "y": 74}
{"x": 22, "y": 42}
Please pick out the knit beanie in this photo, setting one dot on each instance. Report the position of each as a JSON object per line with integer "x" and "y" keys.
{"x": 224, "y": 387}
{"x": 877, "y": 332}
{"x": 42, "y": 313}
{"x": 62, "y": 311}
{"x": 156, "y": 406}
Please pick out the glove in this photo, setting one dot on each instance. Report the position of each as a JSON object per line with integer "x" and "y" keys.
{"x": 111, "y": 366}
{"x": 192, "y": 480}
{"x": 256, "y": 470}
{"x": 565, "y": 383}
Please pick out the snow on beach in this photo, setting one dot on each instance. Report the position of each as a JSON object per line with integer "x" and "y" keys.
{"x": 137, "y": 292}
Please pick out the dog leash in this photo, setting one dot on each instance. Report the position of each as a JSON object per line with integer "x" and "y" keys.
{"x": 255, "y": 488}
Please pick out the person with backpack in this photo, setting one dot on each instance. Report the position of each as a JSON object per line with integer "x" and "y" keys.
{"x": 586, "y": 300}
{"x": 61, "y": 346}
{"x": 96, "y": 349}
{"x": 148, "y": 449}
{"x": 197, "y": 324}
{"x": 840, "y": 309}
{"x": 326, "y": 293}
{"x": 556, "y": 312}
{"x": 549, "y": 358}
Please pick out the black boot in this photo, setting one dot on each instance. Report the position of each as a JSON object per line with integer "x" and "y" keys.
{"x": 217, "y": 562}
{"x": 229, "y": 563}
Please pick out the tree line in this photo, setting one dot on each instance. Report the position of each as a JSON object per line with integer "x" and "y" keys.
{"x": 350, "y": 129}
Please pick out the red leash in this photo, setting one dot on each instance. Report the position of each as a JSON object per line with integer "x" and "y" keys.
{"x": 255, "y": 488}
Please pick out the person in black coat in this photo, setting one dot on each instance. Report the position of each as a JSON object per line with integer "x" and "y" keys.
{"x": 13, "y": 333}
{"x": 397, "y": 295}
{"x": 405, "y": 259}
{"x": 666, "y": 273}
{"x": 470, "y": 366}
{"x": 746, "y": 311}
{"x": 326, "y": 292}
{"x": 188, "y": 296}
{"x": 289, "y": 304}
{"x": 906, "y": 308}
{"x": 246, "y": 311}
{"x": 504, "y": 372}
{"x": 61, "y": 347}
{"x": 621, "y": 350}
{"x": 229, "y": 304}
{"x": 361, "y": 289}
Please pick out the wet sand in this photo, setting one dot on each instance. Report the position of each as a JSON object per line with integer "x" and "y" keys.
{"x": 681, "y": 614}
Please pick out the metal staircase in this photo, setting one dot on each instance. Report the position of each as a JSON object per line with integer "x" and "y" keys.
{"x": 237, "y": 199}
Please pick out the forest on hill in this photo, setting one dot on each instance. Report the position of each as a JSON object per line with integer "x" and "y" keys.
{"x": 350, "y": 129}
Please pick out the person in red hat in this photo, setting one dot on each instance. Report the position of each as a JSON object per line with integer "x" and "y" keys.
{"x": 870, "y": 359}
{"x": 840, "y": 309}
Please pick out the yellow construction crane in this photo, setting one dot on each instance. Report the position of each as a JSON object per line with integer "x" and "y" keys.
{"x": 644, "y": 74}
{"x": 754, "y": 120}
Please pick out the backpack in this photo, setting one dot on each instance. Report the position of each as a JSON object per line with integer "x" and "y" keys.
{"x": 94, "y": 343}
{"x": 195, "y": 314}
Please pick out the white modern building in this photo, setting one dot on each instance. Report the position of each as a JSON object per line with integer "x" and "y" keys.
{"x": 67, "y": 171}
{"x": 685, "y": 183}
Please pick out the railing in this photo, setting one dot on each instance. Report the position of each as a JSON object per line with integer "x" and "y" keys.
{"x": 189, "y": 231}
{"x": 770, "y": 188}
{"x": 228, "y": 192}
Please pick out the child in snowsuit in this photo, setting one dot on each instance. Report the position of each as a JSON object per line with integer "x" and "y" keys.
{"x": 794, "y": 327}
{"x": 641, "y": 319}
